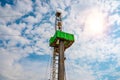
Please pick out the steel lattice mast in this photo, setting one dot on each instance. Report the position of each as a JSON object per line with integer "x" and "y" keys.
{"x": 60, "y": 41}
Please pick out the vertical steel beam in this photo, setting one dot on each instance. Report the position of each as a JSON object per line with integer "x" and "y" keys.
{"x": 61, "y": 61}
{"x": 53, "y": 68}
{"x": 55, "y": 65}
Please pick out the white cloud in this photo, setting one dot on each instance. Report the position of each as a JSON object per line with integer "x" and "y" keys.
{"x": 8, "y": 30}
{"x": 8, "y": 14}
{"x": 42, "y": 7}
{"x": 18, "y": 27}
{"x": 114, "y": 18}
{"x": 31, "y": 20}
{"x": 80, "y": 72}
{"x": 7, "y": 33}
{"x": 23, "y": 6}
{"x": 13, "y": 70}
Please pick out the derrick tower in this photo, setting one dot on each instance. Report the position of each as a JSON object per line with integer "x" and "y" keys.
{"x": 60, "y": 42}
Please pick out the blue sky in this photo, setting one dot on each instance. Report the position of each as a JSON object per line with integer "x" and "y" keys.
{"x": 27, "y": 25}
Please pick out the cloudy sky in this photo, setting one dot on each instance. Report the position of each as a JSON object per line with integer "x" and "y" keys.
{"x": 27, "y": 25}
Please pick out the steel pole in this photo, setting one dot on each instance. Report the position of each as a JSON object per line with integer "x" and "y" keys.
{"x": 61, "y": 61}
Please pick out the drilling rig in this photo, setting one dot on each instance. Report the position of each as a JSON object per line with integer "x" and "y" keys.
{"x": 60, "y": 42}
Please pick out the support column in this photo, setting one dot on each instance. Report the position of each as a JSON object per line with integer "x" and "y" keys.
{"x": 61, "y": 61}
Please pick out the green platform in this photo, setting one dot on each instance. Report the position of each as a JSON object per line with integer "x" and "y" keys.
{"x": 60, "y": 35}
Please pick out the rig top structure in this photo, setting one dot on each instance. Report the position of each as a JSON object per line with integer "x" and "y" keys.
{"x": 60, "y": 42}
